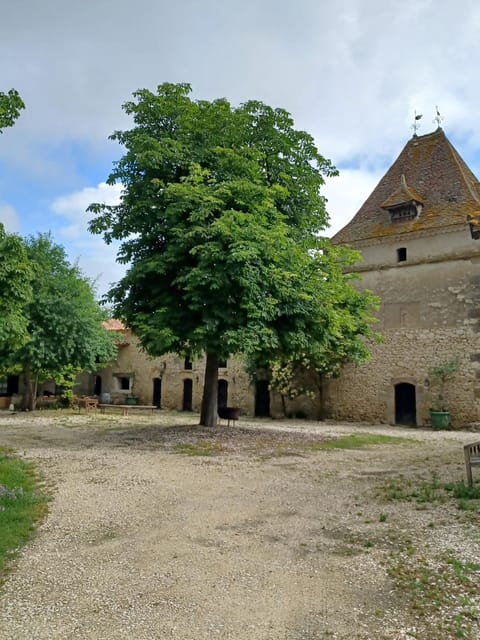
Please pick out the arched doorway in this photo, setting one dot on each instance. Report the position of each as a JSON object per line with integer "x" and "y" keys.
{"x": 187, "y": 395}
{"x": 405, "y": 404}
{"x": 157, "y": 393}
{"x": 222, "y": 393}
{"x": 262, "y": 399}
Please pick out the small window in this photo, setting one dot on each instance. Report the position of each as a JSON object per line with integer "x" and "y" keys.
{"x": 187, "y": 364}
{"x": 401, "y": 254}
{"x": 222, "y": 364}
{"x": 124, "y": 383}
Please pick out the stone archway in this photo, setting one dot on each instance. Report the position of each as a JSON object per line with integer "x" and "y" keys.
{"x": 405, "y": 404}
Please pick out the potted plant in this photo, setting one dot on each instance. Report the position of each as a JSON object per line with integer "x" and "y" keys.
{"x": 438, "y": 376}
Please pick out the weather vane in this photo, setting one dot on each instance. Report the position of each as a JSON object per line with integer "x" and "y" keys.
{"x": 415, "y": 126}
{"x": 438, "y": 118}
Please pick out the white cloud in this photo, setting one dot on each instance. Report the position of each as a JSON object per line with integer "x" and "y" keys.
{"x": 94, "y": 257}
{"x": 346, "y": 193}
{"x": 9, "y": 218}
{"x": 73, "y": 206}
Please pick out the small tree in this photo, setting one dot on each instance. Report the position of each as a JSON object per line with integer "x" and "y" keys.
{"x": 64, "y": 323}
{"x": 438, "y": 377}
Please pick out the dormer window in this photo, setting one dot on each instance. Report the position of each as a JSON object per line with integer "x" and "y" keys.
{"x": 404, "y": 204}
{"x": 404, "y": 212}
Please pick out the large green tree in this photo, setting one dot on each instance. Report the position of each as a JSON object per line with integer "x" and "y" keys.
{"x": 64, "y": 322}
{"x": 218, "y": 223}
{"x": 10, "y": 106}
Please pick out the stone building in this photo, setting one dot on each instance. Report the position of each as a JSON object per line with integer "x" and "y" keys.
{"x": 418, "y": 234}
{"x": 170, "y": 382}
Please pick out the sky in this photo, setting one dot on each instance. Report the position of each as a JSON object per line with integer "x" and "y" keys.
{"x": 352, "y": 73}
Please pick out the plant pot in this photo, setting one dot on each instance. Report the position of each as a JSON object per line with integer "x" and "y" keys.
{"x": 132, "y": 400}
{"x": 440, "y": 419}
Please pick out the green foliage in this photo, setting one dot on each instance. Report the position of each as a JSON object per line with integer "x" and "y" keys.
{"x": 15, "y": 291}
{"x": 64, "y": 322}
{"x": 219, "y": 223}
{"x": 22, "y": 504}
{"x": 10, "y": 106}
{"x": 438, "y": 376}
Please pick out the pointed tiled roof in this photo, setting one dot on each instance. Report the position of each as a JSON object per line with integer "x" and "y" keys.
{"x": 434, "y": 176}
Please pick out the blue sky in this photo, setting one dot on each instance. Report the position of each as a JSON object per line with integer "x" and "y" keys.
{"x": 351, "y": 73}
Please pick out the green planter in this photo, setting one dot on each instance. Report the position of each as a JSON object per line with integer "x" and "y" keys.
{"x": 132, "y": 400}
{"x": 440, "y": 419}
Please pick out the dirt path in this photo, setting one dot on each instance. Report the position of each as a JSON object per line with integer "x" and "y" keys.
{"x": 264, "y": 538}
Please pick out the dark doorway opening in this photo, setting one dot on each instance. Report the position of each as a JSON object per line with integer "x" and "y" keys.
{"x": 12, "y": 385}
{"x": 405, "y": 404}
{"x": 262, "y": 399}
{"x": 222, "y": 393}
{"x": 98, "y": 386}
{"x": 187, "y": 395}
{"x": 157, "y": 393}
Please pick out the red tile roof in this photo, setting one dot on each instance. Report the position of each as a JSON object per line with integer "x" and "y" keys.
{"x": 114, "y": 325}
{"x": 435, "y": 176}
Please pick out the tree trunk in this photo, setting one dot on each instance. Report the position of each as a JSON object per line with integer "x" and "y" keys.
{"x": 30, "y": 392}
{"x": 208, "y": 415}
{"x": 284, "y": 405}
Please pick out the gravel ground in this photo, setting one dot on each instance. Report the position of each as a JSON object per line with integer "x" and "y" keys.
{"x": 264, "y": 538}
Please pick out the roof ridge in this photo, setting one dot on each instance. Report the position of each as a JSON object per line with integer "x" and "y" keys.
{"x": 462, "y": 165}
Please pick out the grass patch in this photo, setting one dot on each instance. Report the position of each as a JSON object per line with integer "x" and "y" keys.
{"x": 22, "y": 504}
{"x": 357, "y": 441}
{"x": 433, "y": 491}
{"x": 200, "y": 448}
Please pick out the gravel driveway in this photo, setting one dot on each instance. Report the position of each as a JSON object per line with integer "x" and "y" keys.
{"x": 264, "y": 538}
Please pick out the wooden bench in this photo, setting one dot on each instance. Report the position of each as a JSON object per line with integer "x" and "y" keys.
{"x": 229, "y": 413}
{"x": 125, "y": 408}
{"x": 472, "y": 459}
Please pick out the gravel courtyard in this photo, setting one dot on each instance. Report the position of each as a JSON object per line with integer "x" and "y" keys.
{"x": 159, "y": 529}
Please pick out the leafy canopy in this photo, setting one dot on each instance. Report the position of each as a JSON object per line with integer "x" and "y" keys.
{"x": 10, "y": 106}
{"x": 16, "y": 291}
{"x": 218, "y": 218}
